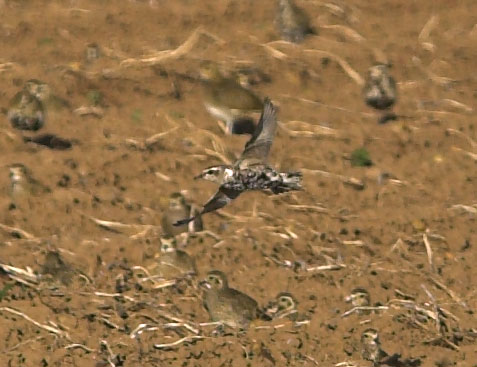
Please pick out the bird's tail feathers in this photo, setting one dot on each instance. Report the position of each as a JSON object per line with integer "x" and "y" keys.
{"x": 292, "y": 179}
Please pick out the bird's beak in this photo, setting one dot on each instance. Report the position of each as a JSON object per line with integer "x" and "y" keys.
{"x": 205, "y": 284}
{"x": 273, "y": 309}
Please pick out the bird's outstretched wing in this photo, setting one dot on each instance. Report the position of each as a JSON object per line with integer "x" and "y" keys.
{"x": 221, "y": 198}
{"x": 259, "y": 144}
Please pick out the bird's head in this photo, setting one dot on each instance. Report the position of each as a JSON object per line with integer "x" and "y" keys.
{"x": 370, "y": 337}
{"x": 176, "y": 200}
{"x": 215, "y": 280}
{"x": 210, "y": 71}
{"x": 168, "y": 245}
{"x": 214, "y": 174}
{"x": 286, "y": 302}
{"x": 39, "y": 89}
{"x": 359, "y": 297}
{"x": 378, "y": 71}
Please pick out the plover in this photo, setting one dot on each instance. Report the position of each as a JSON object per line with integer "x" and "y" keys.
{"x": 226, "y": 100}
{"x": 292, "y": 22}
{"x": 380, "y": 91}
{"x": 284, "y": 305}
{"x": 250, "y": 172}
{"x": 249, "y": 75}
{"x": 57, "y": 268}
{"x": 178, "y": 209}
{"x": 22, "y": 184}
{"x": 26, "y": 111}
{"x": 174, "y": 262}
{"x": 359, "y": 297}
{"x": 371, "y": 347}
{"x": 227, "y": 305}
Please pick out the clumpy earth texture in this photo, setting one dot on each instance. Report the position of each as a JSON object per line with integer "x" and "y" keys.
{"x": 390, "y": 208}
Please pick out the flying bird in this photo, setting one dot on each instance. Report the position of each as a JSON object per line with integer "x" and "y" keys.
{"x": 250, "y": 171}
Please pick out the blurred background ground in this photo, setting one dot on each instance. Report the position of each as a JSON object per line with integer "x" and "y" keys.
{"x": 408, "y": 235}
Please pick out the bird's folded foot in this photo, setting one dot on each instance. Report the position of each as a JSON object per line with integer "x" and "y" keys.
{"x": 389, "y": 116}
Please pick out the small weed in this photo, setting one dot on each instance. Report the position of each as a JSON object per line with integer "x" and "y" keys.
{"x": 360, "y": 158}
{"x": 136, "y": 116}
{"x": 176, "y": 115}
{"x": 95, "y": 97}
{"x": 5, "y": 290}
{"x": 45, "y": 41}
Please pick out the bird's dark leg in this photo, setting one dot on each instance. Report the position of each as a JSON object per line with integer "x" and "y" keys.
{"x": 387, "y": 116}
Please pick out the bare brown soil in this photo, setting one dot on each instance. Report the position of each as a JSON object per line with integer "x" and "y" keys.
{"x": 374, "y": 236}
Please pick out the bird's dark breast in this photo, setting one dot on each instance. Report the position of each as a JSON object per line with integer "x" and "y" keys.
{"x": 380, "y": 102}
{"x": 32, "y": 123}
{"x": 381, "y": 94}
{"x": 257, "y": 178}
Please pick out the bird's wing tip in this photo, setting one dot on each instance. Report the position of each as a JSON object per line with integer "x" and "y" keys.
{"x": 182, "y": 221}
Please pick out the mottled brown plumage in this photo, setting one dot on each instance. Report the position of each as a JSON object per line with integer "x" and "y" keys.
{"x": 359, "y": 297}
{"x": 227, "y": 305}
{"x": 23, "y": 186}
{"x": 292, "y": 22}
{"x": 57, "y": 268}
{"x": 283, "y": 306}
{"x": 174, "y": 262}
{"x": 177, "y": 209}
{"x": 26, "y": 112}
{"x": 371, "y": 347}
{"x": 380, "y": 91}
{"x": 225, "y": 99}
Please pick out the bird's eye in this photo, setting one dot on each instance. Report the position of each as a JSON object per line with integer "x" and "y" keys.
{"x": 217, "y": 281}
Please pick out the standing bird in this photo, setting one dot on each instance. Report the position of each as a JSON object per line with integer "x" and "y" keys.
{"x": 372, "y": 347}
{"x": 380, "y": 91}
{"x": 292, "y": 22}
{"x": 227, "y": 305}
{"x": 177, "y": 209}
{"x": 284, "y": 305}
{"x": 26, "y": 111}
{"x": 250, "y": 172}
{"x": 57, "y": 268}
{"x": 174, "y": 262}
{"x": 23, "y": 185}
{"x": 228, "y": 101}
